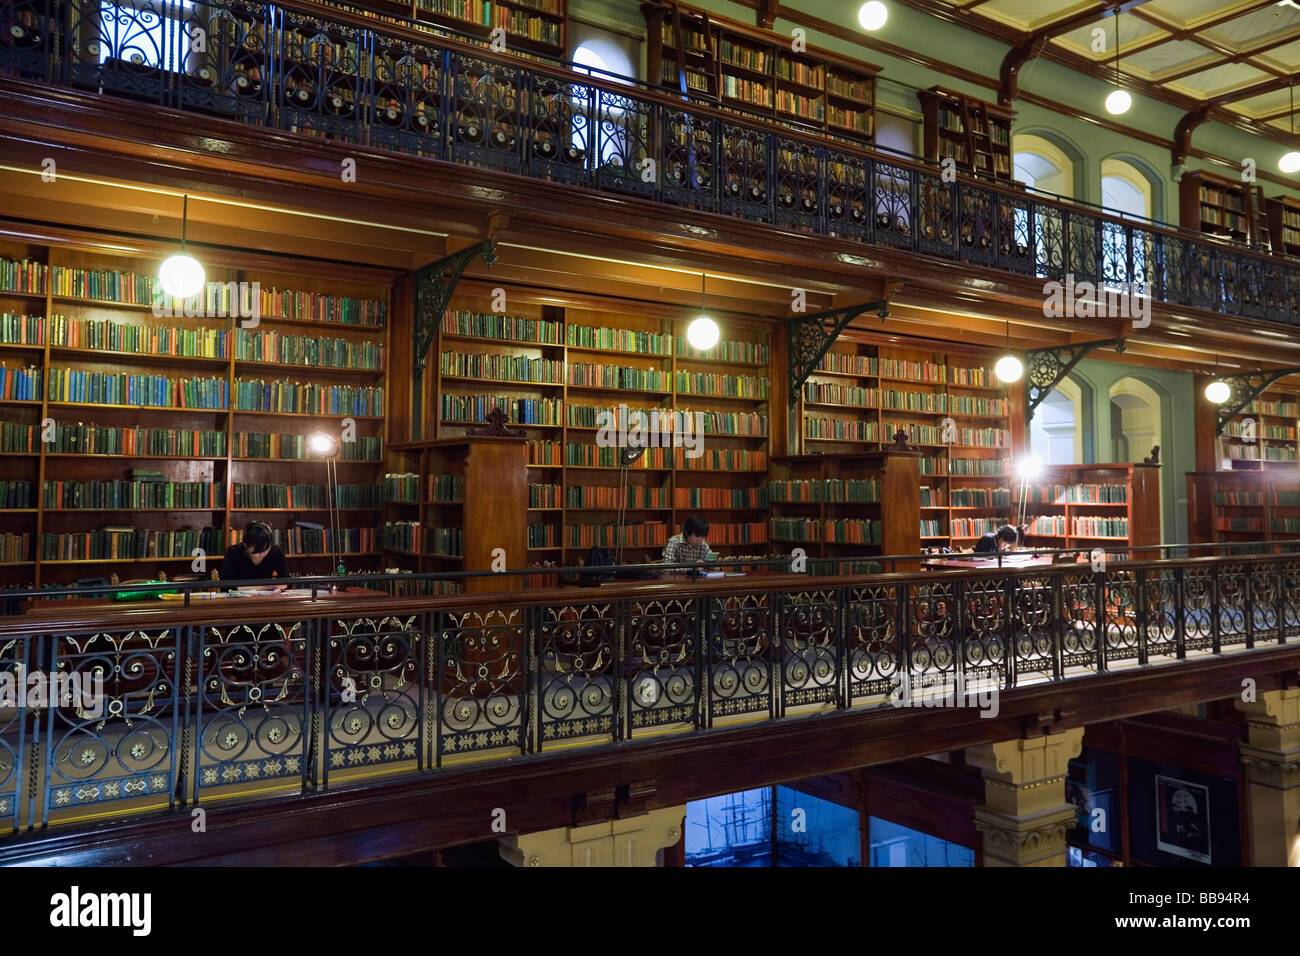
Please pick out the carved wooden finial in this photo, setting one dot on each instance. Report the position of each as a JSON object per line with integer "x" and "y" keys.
{"x": 1154, "y": 459}
{"x": 900, "y": 441}
{"x": 496, "y": 426}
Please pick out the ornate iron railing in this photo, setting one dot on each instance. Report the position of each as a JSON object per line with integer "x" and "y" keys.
{"x": 324, "y": 72}
{"x": 212, "y": 701}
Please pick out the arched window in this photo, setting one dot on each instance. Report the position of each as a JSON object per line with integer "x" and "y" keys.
{"x": 1125, "y": 192}
{"x": 600, "y": 57}
{"x": 1056, "y": 430}
{"x": 1135, "y": 415}
{"x": 1042, "y": 165}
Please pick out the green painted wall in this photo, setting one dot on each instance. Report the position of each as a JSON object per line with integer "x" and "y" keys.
{"x": 1177, "y": 430}
{"x": 1089, "y": 143}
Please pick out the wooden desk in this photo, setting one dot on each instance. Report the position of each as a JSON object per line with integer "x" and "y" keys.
{"x": 53, "y": 606}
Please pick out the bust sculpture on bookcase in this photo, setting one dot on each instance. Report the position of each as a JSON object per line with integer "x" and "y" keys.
{"x": 1154, "y": 457}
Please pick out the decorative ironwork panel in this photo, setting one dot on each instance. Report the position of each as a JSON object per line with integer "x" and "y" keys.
{"x": 1033, "y": 628}
{"x": 1232, "y": 588}
{"x": 1265, "y": 604}
{"x": 625, "y": 159}
{"x": 662, "y": 663}
{"x": 1198, "y": 609}
{"x": 254, "y": 704}
{"x": 1115, "y": 248}
{"x": 373, "y": 694}
{"x": 871, "y": 641}
{"x": 25, "y": 29}
{"x": 984, "y": 633}
{"x": 848, "y": 195}
{"x": 1232, "y": 298}
{"x": 977, "y": 225}
{"x": 578, "y": 670}
{"x": 1049, "y": 246}
{"x": 690, "y": 164}
{"x": 225, "y": 74}
{"x": 1203, "y": 278}
{"x": 406, "y": 102}
{"x": 1078, "y": 622}
{"x": 1160, "y": 614}
{"x": 1146, "y": 262}
{"x": 936, "y": 216}
{"x": 560, "y": 124}
{"x": 1272, "y": 290}
{"x": 1015, "y": 243}
{"x": 1293, "y": 296}
{"x": 892, "y": 201}
{"x": 15, "y": 665}
{"x": 120, "y": 747}
{"x": 319, "y": 83}
{"x": 1289, "y": 599}
{"x": 931, "y": 653}
{"x": 1084, "y": 247}
{"x": 1175, "y": 273}
{"x": 1255, "y": 289}
{"x": 799, "y": 177}
{"x": 1121, "y": 607}
{"x": 810, "y": 648}
{"x": 487, "y": 112}
{"x": 746, "y": 174}
{"x": 482, "y": 690}
{"x": 739, "y": 665}
{"x": 126, "y": 48}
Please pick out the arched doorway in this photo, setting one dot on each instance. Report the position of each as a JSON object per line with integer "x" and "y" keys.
{"x": 1056, "y": 430}
{"x": 1135, "y": 413}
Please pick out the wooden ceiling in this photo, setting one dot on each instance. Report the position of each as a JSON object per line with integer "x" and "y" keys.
{"x": 1235, "y": 59}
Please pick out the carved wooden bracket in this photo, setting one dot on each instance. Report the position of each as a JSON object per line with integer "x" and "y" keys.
{"x": 608, "y": 803}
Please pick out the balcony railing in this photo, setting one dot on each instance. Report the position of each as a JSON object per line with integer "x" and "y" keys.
{"x": 323, "y": 72}
{"x": 215, "y": 701}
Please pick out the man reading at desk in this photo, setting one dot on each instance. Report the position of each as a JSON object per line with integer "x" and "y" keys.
{"x": 689, "y": 547}
{"x": 1006, "y": 538}
{"x": 256, "y": 558}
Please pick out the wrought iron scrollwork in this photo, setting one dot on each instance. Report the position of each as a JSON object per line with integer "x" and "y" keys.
{"x": 811, "y": 337}
{"x": 1047, "y": 368}
{"x": 1244, "y": 389}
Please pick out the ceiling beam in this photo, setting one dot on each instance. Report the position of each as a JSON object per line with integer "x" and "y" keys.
{"x": 1235, "y": 58}
{"x": 1017, "y": 57}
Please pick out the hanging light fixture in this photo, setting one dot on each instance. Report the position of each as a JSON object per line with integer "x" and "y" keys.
{"x": 1290, "y": 162}
{"x": 703, "y": 333}
{"x": 873, "y": 15}
{"x": 1009, "y": 368}
{"x": 1118, "y": 101}
{"x": 181, "y": 276}
{"x": 1218, "y": 391}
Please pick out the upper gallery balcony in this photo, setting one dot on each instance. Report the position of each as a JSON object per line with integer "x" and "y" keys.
{"x": 349, "y": 78}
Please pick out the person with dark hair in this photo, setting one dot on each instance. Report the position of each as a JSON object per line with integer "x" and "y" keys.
{"x": 257, "y": 557}
{"x": 1006, "y": 538}
{"x": 689, "y": 547}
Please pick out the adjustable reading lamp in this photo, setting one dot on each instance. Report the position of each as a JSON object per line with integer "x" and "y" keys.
{"x": 326, "y": 447}
{"x": 626, "y": 458}
{"x": 1029, "y": 468}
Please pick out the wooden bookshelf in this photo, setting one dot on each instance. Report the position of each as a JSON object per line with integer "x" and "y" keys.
{"x": 1284, "y": 225}
{"x": 1103, "y": 505}
{"x": 694, "y": 53}
{"x": 1219, "y": 206}
{"x": 1263, "y": 436}
{"x": 863, "y": 393}
{"x": 469, "y": 512}
{"x": 974, "y": 133}
{"x": 620, "y": 363}
{"x": 180, "y": 422}
{"x": 532, "y": 27}
{"x": 1243, "y": 506}
{"x": 842, "y": 509}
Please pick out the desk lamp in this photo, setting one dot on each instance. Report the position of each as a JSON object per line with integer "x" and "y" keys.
{"x": 326, "y": 448}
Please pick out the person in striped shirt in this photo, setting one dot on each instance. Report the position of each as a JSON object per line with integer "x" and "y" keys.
{"x": 691, "y": 546}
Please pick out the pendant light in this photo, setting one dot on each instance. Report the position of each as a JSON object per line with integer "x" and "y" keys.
{"x": 873, "y": 15}
{"x": 1009, "y": 368}
{"x": 703, "y": 333}
{"x": 181, "y": 276}
{"x": 1218, "y": 391}
{"x": 1290, "y": 162}
{"x": 1118, "y": 101}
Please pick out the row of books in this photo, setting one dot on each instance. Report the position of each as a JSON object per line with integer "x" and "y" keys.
{"x": 22, "y": 275}
{"x": 510, "y": 328}
{"x": 502, "y": 368}
{"x": 797, "y": 71}
{"x": 544, "y": 496}
{"x": 268, "y": 445}
{"x": 400, "y": 487}
{"x": 1276, "y": 408}
{"x": 594, "y": 497}
{"x": 129, "y": 287}
{"x": 308, "y": 398}
{"x": 620, "y": 340}
{"x": 15, "y": 546}
{"x": 932, "y": 528}
{"x": 916, "y": 371}
{"x": 20, "y": 384}
{"x": 838, "y": 429}
{"x": 520, "y": 411}
{"x": 615, "y": 376}
{"x": 446, "y": 488}
{"x": 543, "y": 536}
{"x": 520, "y": 23}
{"x": 860, "y": 90}
{"x": 17, "y": 494}
{"x": 969, "y": 405}
{"x": 20, "y": 329}
{"x": 838, "y": 530}
{"x": 744, "y": 532}
{"x": 979, "y": 497}
{"x": 853, "y": 491}
{"x": 733, "y": 386}
{"x": 740, "y": 351}
{"x": 474, "y": 11}
{"x": 739, "y": 54}
{"x": 307, "y": 350}
{"x": 1238, "y": 523}
{"x": 964, "y": 467}
{"x": 158, "y": 391}
{"x": 1098, "y": 526}
{"x": 913, "y": 401}
{"x": 263, "y": 495}
{"x": 807, "y": 107}
{"x": 735, "y": 498}
{"x": 756, "y": 92}
{"x": 304, "y": 306}
{"x": 302, "y": 540}
{"x": 975, "y": 527}
{"x": 82, "y": 439}
{"x": 122, "y": 495}
{"x": 639, "y": 535}
{"x": 1218, "y": 197}
{"x": 1239, "y": 498}
{"x": 105, "y": 334}
{"x": 124, "y": 543}
{"x": 824, "y": 393}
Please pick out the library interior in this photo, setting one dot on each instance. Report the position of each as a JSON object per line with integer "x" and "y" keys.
{"x": 585, "y": 432}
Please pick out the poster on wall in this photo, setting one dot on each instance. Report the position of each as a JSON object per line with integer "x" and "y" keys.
{"x": 1183, "y": 818}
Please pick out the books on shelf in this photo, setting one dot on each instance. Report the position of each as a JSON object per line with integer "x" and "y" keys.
{"x": 401, "y": 487}
{"x": 501, "y": 368}
{"x": 22, "y": 275}
{"x": 159, "y": 391}
{"x": 20, "y": 384}
{"x": 293, "y": 446}
{"x": 311, "y": 350}
{"x": 105, "y": 334}
{"x": 121, "y": 495}
{"x": 262, "y": 495}
{"x": 18, "y": 329}
{"x": 519, "y": 411}
{"x": 82, "y": 439}
{"x": 510, "y": 328}
{"x": 308, "y": 398}
{"x": 16, "y": 495}
{"x": 837, "y": 530}
{"x": 848, "y": 491}
{"x": 620, "y": 340}
{"x": 735, "y": 498}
